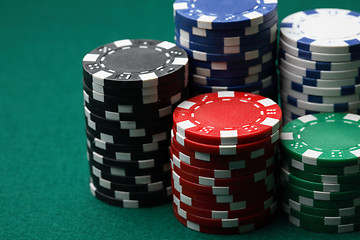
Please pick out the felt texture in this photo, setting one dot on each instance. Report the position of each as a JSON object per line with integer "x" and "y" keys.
{"x": 44, "y": 191}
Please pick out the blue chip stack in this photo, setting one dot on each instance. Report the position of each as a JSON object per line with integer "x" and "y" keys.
{"x": 231, "y": 44}
{"x": 320, "y": 62}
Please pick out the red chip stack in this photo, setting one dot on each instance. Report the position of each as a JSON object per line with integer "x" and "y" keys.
{"x": 223, "y": 161}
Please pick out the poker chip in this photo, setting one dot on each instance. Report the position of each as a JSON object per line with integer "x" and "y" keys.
{"x": 222, "y": 157}
{"x": 320, "y": 224}
{"x": 257, "y": 86}
{"x": 319, "y": 62}
{"x": 323, "y": 212}
{"x": 320, "y": 172}
{"x": 264, "y": 32}
{"x": 233, "y": 65}
{"x": 322, "y": 107}
{"x": 321, "y": 83}
{"x": 235, "y": 116}
{"x": 131, "y": 88}
{"x": 291, "y": 95}
{"x": 229, "y": 44}
{"x": 317, "y": 65}
{"x": 339, "y": 30}
{"x": 316, "y": 56}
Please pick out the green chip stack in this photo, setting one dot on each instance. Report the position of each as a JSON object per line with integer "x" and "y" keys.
{"x": 320, "y": 174}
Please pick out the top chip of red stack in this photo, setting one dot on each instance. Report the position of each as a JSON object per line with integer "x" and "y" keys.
{"x": 227, "y": 118}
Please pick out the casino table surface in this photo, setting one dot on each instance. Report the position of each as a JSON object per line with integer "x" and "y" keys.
{"x": 44, "y": 191}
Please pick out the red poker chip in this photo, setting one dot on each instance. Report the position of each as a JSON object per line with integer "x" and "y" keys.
{"x": 208, "y": 202}
{"x": 237, "y": 168}
{"x": 215, "y": 214}
{"x": 207, "y": 181}
{"x": 217, "y": 173}
{"x": 262, "y": 153}
{"x": 226, "y": 149}
{"x": 214, "y": 230}
{"x": 227, "y": 118}
{"x": 227, "y": 223}
{"x": 261, "y": 186}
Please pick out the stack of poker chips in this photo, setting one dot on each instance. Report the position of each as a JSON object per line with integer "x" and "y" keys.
{"x": 231, "y": 44}
{"x": 321, "y": 172}
{"x": 222, "y": 159}
{"x": 131, "y": 88}
{"x": 320, "y": 61}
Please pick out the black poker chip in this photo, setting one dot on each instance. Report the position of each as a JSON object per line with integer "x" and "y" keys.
{"x": 149, "y": 163}
{"x": 134, "y": 63}
{"x": 116, "y": 116}
{"x": 126, "y": 124}
{"x": 128, "y": 203}
{"x": 124, "y": 172}
{"x": 162, "y": 152}
{"x": 116, "y": 139}
{"x": 143, "y": 179}
{"x": 130, "y": 89}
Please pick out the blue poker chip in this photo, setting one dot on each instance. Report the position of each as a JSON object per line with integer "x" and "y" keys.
{"x": 270, "y": 56}
{"x": 222, "y": 49}
{"x": 265, "y": 68}
{"x": 257, "y": 86}
{"x": 263, "y": 35}
{"x": 243, "y": 32}
{"x": 210, "y": 81}
{"x": 230, "y": 14}
{"x": 269, "y": 92}
{"x": 243, "y": 56}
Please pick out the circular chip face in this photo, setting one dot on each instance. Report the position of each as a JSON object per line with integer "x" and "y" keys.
{"x": 323, "y": 30}
{"x": 227, "y": 118}
{"x": 134, "y": 63}
{"x": 213, "y": 14}
{"x": 316, "y": 139}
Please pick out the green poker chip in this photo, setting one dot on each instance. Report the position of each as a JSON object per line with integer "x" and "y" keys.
{"x": 324, "y": 212}
{"x": 322, "y": 178}
{"x": 325, "y": 187}
{"x": 316, "y": 227}
{"x": 325, "y": 139}
{"x": 320, "y": 203}
{"x": 340, "y": 170}
{"x": 322, "y": 220}
{"x": 320, "y": 195}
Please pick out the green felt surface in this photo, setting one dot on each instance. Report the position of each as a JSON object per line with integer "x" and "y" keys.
{"x": 43, "y": 169}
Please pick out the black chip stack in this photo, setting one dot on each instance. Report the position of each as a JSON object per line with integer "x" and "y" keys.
{"x": 130, "y": 90}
